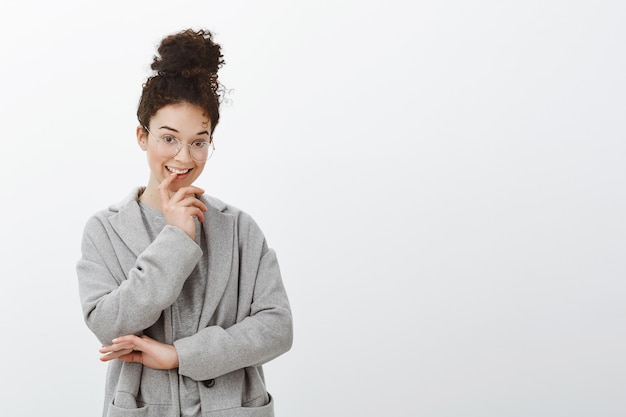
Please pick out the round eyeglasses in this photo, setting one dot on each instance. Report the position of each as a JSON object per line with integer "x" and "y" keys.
{"x": 169, "y": 147}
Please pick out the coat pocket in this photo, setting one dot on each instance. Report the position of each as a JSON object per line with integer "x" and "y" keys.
{"x": 117, "y": 411}
{"x": 266, "y": 410}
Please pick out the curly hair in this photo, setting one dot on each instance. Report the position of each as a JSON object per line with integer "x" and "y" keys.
{"x": 186, "y": 72}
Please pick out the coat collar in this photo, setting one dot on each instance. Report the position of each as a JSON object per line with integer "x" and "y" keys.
{"x": 129, "y": 226}
{"x": 219, "y": 228}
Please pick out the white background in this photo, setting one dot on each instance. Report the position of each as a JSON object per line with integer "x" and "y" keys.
{"x": 443, "y": 182}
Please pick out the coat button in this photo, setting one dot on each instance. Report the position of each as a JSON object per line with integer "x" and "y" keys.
{"x": 209, "y": 383}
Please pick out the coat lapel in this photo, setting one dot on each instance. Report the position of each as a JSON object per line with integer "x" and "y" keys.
{"x": 129, "y": 225}
{"x": 219, "y": 229}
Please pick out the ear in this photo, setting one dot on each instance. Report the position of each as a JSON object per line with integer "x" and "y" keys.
{"x": 142, "y": 138}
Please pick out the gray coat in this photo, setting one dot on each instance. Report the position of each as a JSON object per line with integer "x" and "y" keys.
{"x": 128, "y": 283}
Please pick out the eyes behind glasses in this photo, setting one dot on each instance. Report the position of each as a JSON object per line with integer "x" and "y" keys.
{"x": 169, "y": 146}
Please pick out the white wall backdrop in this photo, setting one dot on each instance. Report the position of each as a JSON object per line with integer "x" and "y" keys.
{"x": 443, "y": 181}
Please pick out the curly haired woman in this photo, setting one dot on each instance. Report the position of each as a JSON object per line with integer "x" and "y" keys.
{"x": 182, "y": 289}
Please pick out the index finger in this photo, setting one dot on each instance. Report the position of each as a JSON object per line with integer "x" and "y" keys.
{"x": 164, "y": 188}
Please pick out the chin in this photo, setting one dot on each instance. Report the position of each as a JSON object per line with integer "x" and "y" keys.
{"x": 180, "y": 183}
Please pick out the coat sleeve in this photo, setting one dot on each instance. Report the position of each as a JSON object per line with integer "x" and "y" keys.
{"x": 116, "y": 302}
{"x": 263, "y": 332}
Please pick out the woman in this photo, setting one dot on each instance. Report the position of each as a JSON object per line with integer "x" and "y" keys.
{"x": 180, "y": 288}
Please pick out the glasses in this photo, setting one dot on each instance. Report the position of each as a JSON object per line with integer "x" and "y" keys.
{"x": 169, "y": 147}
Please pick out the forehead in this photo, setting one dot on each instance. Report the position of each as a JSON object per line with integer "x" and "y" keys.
{"x": 184, "y": 118}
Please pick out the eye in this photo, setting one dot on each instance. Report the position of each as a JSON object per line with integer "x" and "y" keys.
{"x": 200, "y": 144}
{"x": 169, "y": 139}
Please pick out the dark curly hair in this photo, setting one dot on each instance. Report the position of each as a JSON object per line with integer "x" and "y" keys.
{"x": 186, "y": 72}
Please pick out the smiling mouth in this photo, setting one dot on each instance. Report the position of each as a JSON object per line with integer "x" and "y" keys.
{"x": 178, "y": 171}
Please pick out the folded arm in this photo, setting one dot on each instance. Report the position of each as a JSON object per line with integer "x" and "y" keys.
{"x": 116, "y": 302}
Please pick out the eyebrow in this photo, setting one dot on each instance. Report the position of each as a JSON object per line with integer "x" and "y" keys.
{"x": 204, "y": 132}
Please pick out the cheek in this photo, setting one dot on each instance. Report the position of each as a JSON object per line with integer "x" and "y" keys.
{"x": 155, "y": 162}
{"x": 199, "y": 168}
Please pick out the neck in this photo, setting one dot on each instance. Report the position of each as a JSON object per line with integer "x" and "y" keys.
{"x": 150, "y": 197}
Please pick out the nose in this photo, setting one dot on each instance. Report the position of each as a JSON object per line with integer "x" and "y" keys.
{"x": 184, "y": 154}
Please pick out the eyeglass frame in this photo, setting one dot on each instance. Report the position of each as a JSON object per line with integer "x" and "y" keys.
{"x": 180, "y": 145}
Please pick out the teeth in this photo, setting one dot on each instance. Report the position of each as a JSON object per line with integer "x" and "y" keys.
{"x": 177, "y": 171}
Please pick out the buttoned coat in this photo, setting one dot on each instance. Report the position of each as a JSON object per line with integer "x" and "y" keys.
{"x": 127, "y": 284}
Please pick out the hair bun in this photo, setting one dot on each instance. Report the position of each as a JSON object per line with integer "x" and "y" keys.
{"x": 188, "y": 53}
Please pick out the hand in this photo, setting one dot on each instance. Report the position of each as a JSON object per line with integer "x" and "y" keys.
{"x": 180, "y": 208}
{"x": 144, "y": 350}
